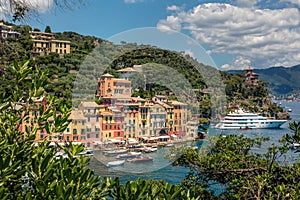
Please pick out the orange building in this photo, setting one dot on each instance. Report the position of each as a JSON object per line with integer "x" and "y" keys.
{"x": 109, "y": 86}
{"x": 179, "y": 117}
{"x": 112, "y": 124}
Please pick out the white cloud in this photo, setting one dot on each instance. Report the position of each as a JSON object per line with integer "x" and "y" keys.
{"x": 170, "y": 24}
{"x": 240, "y": 62}
{"x": 39, "y": 6}
{"x": 173, "y": 8}
{"x": 190, "y": 53}
{"x": 131, "y": 1}
{"x": 264, "y": 36}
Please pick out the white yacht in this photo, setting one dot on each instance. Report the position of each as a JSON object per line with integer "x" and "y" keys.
{"x": 245, "y": 120}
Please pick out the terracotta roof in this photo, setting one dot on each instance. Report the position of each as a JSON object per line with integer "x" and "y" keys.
{"x": 177, "y": 103}
{"x": 127, "y": 69}
{"x": 107, "y": 75}
{"x": 137, "y": 99}
{"x": 90, "y": 104}
{"x": 164, "y": 104}
{"x": 121, "y": 80}
{"x": 77, "y": 115}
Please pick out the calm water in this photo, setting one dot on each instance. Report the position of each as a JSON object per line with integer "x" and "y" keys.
{"x": 164, "y": 171}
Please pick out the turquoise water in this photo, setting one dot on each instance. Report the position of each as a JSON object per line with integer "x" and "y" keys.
{"x": 175, "y": 174}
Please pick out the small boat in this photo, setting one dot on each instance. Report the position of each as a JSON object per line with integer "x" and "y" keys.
{"x": 150, "y": 149}
{"x": 141, "y": 159}
{"x": 129, "y": 155}
{"x": 169, "y": 145}
{"x": 86, "y": 153}
{"x": 115, "y": 152}
{"x": 295, "y": 146}
{"x": 115, "y": 163}
{"x": 289, "y": 110}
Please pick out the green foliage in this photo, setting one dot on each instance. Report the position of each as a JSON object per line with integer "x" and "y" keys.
{"x": 242, "y": 172}
{"x": 48, "y": 29}
{"x": 29, "y": 171}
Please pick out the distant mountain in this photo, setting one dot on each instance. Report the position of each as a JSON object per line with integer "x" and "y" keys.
{"x": 282, "y": 80}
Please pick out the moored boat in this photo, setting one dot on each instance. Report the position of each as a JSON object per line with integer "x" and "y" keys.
{"x": 115, "y": 152}
{"x": 141, "y": 159}
{"x": 150, "y": 149}
{"x": 115, "y": 163}
{"x": 246, "y": 120}
{"x": 129, "y": 155}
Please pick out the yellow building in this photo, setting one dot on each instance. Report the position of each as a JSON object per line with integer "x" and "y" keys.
{"x": 31, "y": 118}
{"x": 131, "y": 121}
{"x": 77, "y": 131}
{"x": 45, "y": 43}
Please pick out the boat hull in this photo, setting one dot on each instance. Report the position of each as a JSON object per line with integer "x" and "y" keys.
{"x": 276, "y": 124}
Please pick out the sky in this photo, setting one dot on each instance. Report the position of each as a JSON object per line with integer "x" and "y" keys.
{"x": 234, "y": 33}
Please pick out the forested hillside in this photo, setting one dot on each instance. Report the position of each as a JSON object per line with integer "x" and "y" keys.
{"x": 282, "y": 80}
{"x": 63, "y": 70}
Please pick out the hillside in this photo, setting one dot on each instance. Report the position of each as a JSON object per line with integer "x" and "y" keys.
{"x": 78, "y": 72}
{"x": 282, "y": 80}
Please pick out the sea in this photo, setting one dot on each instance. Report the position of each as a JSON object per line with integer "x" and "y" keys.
{"x": 162, "y": 169}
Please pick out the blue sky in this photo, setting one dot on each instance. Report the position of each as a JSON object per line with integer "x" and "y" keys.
{"x": 235, "y": 33}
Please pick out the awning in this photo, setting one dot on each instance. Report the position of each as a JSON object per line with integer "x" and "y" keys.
{"x": 98, "y": 142}
{"x": 163, "y": 137}
{"x": 76, "y": 143}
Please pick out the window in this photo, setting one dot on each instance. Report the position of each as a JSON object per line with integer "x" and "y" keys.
{"x": 75, "y": 138}
{"x": 109, "y": 134}
{"x": 68, "y": 129}
{"x": 97, "y": 119}
{"x": 82, "y": 131}
{"x": 119, "y": 134}
{"x": 88, "y": 135}
{"x": 75, "y": 122}
{"x": 75, "y": 131}
{"x": 82, "y": 122}
{"x": 97, "y": 135}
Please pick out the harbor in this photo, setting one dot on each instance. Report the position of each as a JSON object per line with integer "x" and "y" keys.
{"x": 175, "y": 174}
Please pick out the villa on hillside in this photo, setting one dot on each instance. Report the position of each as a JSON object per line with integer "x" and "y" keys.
{"x": 250, "y": 77}
{"x": 7, "y": 31}
{"x": 45, "y": 43}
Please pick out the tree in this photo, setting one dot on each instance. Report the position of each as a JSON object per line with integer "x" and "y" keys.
{"x": 47, "y": 29}
{"x": 243, "y": 173}
{"x": 29, "y": 170}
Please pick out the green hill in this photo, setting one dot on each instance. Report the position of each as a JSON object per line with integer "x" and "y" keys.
{"x": 282, "y": 80}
